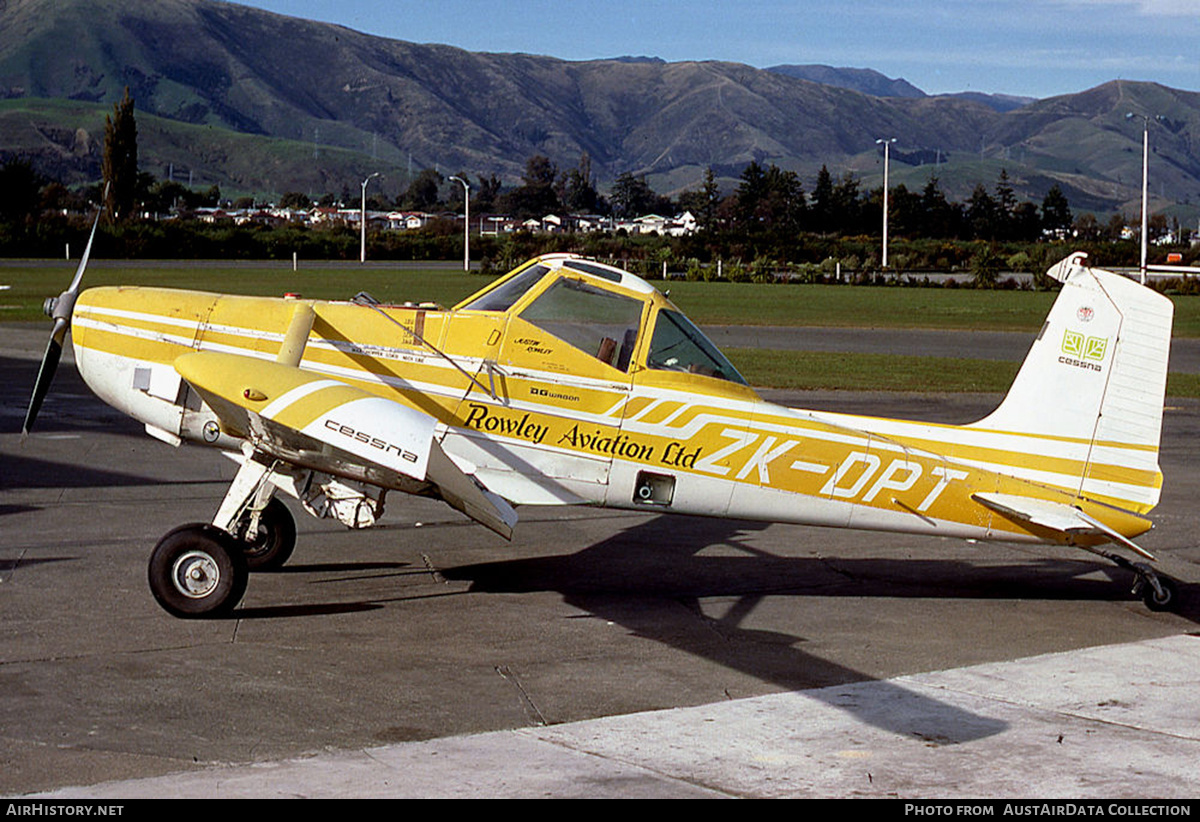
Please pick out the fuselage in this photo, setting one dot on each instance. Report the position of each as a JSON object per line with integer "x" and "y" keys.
{"x": 571, "y": 388}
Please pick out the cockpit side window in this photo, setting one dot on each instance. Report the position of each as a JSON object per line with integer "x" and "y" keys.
{"x": 593, "y": 320}
{"x": 677, "y": 345}
{"x": 504, "y": 296}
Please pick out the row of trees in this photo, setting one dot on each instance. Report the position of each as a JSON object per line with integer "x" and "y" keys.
{"x": 544, "y": 189}
{"x": 767, "y": 200}
{"x": 772, "y": 200}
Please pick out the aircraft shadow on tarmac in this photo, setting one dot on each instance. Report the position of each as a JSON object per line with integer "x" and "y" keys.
{"x": 671, "y": 562}
{"x": 21, "y": 471}
{"x": 642, "y": 577}
{"x": 7, "y": 566}
{"x": 603, "y": 581}
{"x": 71, "y": 407}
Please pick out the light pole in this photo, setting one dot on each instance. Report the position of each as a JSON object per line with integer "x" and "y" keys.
{"x": 362, "y": 254}
{"x": 1145, "y": 180}
{"x": 466, "y": 222}
{"x": 887, "y": 143}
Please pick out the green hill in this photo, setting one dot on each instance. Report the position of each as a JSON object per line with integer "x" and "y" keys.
{"x": 327, "y": 104}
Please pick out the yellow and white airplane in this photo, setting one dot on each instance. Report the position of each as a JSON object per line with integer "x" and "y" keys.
{"x": 570, "y": 382}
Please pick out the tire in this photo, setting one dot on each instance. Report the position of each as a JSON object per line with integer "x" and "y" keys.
{"x": 1169, "y": 601}
{"x": 272, "y": 546}
{"x": 197, "y": 571}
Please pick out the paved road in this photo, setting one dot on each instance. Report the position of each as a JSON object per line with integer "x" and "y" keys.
{"x": 801, "y": 657}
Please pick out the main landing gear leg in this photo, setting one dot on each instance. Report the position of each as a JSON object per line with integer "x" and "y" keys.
{"x": 1160, "y": 593}
{"x": 201, "y": 570}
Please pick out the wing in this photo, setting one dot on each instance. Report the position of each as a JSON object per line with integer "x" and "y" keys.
{"x": 326, "y": 425}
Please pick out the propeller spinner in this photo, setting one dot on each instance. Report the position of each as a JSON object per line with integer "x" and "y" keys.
{"x": 59, "y": 308}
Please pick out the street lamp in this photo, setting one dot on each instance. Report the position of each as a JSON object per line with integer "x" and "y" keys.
{"x": 887, "y": 143}
{"x": 466, "y": 222}
{"x": 362, "y": 254}
{"x": 1145, "y": 179}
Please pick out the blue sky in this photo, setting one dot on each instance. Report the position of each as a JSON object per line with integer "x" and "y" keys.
{"x": 1036, "y": 48}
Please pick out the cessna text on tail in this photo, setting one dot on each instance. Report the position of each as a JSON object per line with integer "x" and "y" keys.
{"x": 570, "y": 382}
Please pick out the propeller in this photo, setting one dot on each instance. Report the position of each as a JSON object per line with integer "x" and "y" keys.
{"x": 59, "y": 308}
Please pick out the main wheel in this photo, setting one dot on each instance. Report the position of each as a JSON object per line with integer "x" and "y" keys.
{"x": 272, "y": 545}
{"x": 197, "y": 571}
{"x": 1167, "y": 601}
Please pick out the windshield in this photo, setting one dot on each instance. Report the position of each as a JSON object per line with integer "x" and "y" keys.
{"x": 677, "y": 345}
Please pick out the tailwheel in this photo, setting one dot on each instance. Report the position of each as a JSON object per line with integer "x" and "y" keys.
{"x": 1160, "y": 593}
{"x": 272, "y": 542}
{"x": 198, "y": 571}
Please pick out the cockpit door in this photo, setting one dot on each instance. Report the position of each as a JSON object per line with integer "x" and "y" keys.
{"x": 564, "y": 363}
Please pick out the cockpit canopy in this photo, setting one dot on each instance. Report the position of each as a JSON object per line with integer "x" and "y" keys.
{"x": 606, "y": 313}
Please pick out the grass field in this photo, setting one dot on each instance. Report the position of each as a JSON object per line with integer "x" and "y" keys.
{"x": 810, "y": 371}
{"x": 31, "y": 283}
{"x": 706, "y": 303}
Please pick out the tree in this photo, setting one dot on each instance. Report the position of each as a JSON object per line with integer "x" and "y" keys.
{"x": 422, "y": 192}
{"x": 164, "y": 195}
{"x": 770, "y": 199}
{"x": 486, "y": 193}
{"x": 19, "y": 190}
{"x": 751, "y": 192}
{"x": 1006, "y": 198}
{"x": 537, "y": 197}
{"x": 712, "y": 199}
{"x": 906, "y": 214}
{"x": 846, "y": 210}
{"x": 821, "y": 212}
{"x": 1157, "y": 226}
{"x": 1087, "y": 227}
{"x": 120, "y": 164}
{"x": 295, "y": 200}
{"x": 1056, "y": 211}
{"x": 633, "y": 197}
{"x": 577, "y": 187}
{"x": 703, "y": 202}
{"x": 985, "y": 267}
{"x": 939, "y": 218}
{"x": 982, "y": 221}
{"x": 1025, "y": 223}
{"x": 1115, "y": 230}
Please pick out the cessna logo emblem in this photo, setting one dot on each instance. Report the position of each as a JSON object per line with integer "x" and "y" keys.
{"x": 368, "y": 439}
{"x": 1082, "y": 351}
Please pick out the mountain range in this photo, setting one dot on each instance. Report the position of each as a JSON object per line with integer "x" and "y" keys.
{"x": 260, "y": 102}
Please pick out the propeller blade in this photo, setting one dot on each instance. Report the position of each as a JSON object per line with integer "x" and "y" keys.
{"x": 45, "y": 375}
{"x": 60, "y": 309}
{"x": 87, "y": 250}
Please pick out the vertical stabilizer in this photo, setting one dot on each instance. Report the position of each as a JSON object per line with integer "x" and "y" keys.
{"x": 1089, "y": 395}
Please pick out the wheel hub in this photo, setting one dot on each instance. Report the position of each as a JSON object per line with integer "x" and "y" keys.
{"x": 196, "y": 574}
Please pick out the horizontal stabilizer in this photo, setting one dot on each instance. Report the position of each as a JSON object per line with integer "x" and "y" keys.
{"x": 1055, "y": 516}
